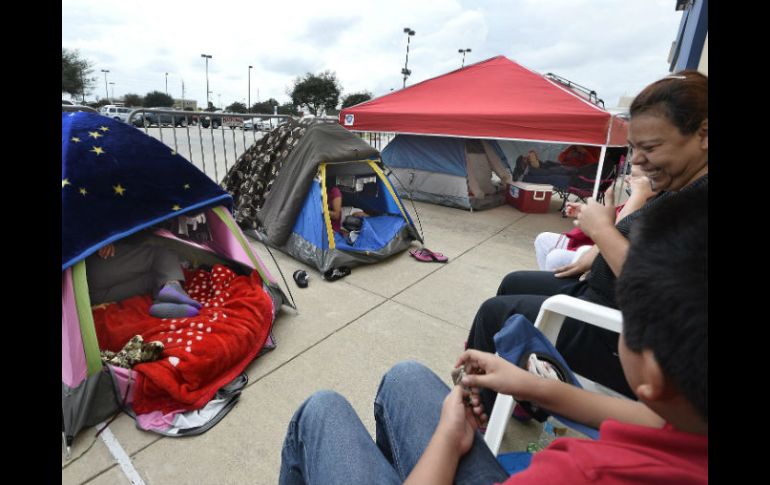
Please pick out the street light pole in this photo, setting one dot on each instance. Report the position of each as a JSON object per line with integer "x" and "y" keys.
{"x": 112, "y": 84}
{"x": 83, "y": 81}
{"x": 406, "y": 72}
{"x": 463, "y": 51}
{"x": 248, "y": 108}
{"x": 207, "y": 57}
{"x": 106, "y": 94}
{"x": 166, "y": 84}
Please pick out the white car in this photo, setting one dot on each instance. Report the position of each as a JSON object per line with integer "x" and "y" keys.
{"x": 257, "y": 124}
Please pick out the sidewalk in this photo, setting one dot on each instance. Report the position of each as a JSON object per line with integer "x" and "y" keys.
{"x": 346, "y": 335}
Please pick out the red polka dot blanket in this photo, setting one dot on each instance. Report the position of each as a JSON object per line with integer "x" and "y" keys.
{"x": 202, "y": 353}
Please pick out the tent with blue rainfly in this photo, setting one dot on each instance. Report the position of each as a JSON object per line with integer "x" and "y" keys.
{"x": 280, "y": 191}
{"x": 453, "y": 171}
{"x": 117, "y": 181}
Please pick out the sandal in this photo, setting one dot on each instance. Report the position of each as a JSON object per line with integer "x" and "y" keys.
{"x": 336, "y": 273}
{"x": 427, "y": 256}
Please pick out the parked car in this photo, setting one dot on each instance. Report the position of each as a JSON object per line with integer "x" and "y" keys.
{"x": 213, "y": 121}
{"x": 119, "y": 113}
{"x": 257, "y": 124}
{"x": 149, "y": 118}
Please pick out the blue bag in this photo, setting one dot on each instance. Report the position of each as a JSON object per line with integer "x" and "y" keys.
{"x": 515, "y": 342}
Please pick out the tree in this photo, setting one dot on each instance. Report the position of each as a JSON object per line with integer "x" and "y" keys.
{"x": 288, "y": 109}
{"x": 316, "y": 92}
{"x": 132, "y": 100}
{"x": 211, "y": 107}
{"x": 156, "y": 99}
{"x": 264, "y": 106}
{"x": 236, "y": 108}
{"x": 100, "y": 103}
{"x": 75, "y": 74}
{"x": 355, "y": 98}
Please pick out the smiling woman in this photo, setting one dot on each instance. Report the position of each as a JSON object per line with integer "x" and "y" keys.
{"x": 668, "y": 131}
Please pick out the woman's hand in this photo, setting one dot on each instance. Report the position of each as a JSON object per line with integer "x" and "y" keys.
{"x": 572, "y": 209}
{"x": 641, "y": 186}
{"x": 579, "y": 267}
{"x": 596, "y": 217}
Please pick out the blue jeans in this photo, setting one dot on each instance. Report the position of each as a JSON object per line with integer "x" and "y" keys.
{"x": 326, "y": 443}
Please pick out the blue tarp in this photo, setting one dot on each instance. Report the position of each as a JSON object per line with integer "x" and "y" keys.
{"x": 376, "y": 232}
{"x": 428, "y": 153}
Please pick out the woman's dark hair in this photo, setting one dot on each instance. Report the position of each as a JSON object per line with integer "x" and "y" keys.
{"x": 682, "y": 97}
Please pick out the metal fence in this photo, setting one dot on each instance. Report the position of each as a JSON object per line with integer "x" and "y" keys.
{"x": 210, "y": 141}
{"x": 213, "y": 141}
{"x": 375, "y": 139}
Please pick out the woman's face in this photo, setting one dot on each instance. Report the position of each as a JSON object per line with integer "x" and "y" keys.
{"x": 668, "y": 158}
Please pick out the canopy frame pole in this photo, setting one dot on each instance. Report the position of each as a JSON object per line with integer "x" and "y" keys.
{"x": 602, "y": 154}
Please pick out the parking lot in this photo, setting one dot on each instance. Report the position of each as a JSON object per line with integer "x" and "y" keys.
{"x": 213, "y": 151}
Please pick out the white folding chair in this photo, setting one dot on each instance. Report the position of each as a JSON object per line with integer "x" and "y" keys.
{"x": 549, "y": 321}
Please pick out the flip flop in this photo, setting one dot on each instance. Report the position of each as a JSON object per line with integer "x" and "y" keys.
{"x": 427, "y": 256}
{"x": 421, "y": 255}
{"x": 438, "y": 257}
{"x": 336, "y": 273}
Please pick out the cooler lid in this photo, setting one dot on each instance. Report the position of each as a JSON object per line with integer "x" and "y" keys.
{"x": 533, "y": 187}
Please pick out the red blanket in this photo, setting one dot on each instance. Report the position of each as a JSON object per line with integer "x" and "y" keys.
{"x": 202, "y": 353}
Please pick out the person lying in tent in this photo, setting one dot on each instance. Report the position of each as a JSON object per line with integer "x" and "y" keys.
{"x": 134, "y": 266}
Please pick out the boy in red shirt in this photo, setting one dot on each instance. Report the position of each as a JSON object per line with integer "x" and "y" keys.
{"x": 663, "y": 438}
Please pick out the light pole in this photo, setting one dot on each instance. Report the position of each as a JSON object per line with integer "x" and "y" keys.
{"x": 106, "y": 94}
{"x": 112, "y": 84}
{"x": 248, "y": 108}
{"x": 463, "y": 51}
{"x": 406, "y": 72}
{"x": 220, "y": 100}
{"x": 83, "y": 81}
{"x": 207, "y": 57}
{"x": 166, "y": 84}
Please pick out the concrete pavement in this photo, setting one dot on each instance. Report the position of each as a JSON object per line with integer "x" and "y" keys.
{"x": 345, "y": 335}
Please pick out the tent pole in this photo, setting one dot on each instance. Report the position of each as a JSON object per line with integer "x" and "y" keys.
{"x": 601, "y": 159}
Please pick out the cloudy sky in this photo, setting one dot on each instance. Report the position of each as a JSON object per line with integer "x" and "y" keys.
{"x": 614, "y": 47}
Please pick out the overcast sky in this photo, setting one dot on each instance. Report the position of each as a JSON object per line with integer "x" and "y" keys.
{"x": 615, "y": 47}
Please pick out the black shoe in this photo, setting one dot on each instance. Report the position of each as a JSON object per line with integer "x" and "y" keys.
{"x": 336, "y": 273}
{"x": 301, "y": 277}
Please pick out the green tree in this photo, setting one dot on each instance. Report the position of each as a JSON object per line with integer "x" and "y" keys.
{"x": 133, "y": 100}
{"x": 156, "y": 99}
{"x": 288, "y": 109}
{"x": 236, "y": 108}
{"x": 75, "y": 74}
{"x": 316, "y": 92}
{"x": 264, "y": 106}
{"x": 211, "y": 107}
{"x": 355, "y": 98}
{"x": 100, "y": 103}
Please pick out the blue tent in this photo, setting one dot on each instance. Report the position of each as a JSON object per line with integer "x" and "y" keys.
{"x": 279, "y": 188}
{"x": 457, "y": 172}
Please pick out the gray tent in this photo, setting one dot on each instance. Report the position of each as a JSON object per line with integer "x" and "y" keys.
{"x": 279, "y": 189}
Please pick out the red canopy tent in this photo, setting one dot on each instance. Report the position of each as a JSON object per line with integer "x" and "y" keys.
{"x": 497, "y": 99}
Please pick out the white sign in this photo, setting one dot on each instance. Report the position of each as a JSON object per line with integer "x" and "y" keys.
{"x": 349, "y": 120}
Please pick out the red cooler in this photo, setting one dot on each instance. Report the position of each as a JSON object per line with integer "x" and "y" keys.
{"x": 534, "y": 198}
